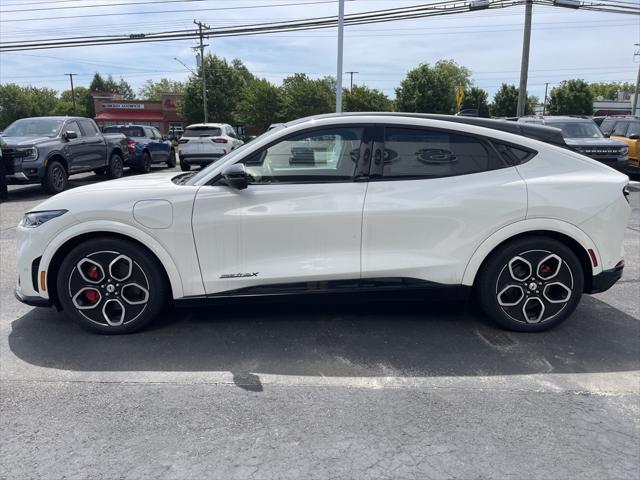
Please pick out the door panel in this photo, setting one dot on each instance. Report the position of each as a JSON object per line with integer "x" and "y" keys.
{"x": 428, "y": 228}
{"x": 282, "y": 233}
{"x": 95, "y": 147}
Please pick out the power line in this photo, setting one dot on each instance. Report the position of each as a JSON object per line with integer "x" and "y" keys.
{"x": 145, "y": 2}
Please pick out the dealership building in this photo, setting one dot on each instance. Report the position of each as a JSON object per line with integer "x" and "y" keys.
{"x": 163, "y": 114}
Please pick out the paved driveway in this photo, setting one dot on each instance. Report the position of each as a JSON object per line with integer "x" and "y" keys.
{"x": 333, "y": 388}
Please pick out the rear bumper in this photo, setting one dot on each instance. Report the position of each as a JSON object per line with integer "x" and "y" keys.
{"x": 200, "y": 158}
{"x": 606, "y": 279}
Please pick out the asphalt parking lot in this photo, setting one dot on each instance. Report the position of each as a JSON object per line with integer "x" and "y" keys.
{"x": 349, "y": 388}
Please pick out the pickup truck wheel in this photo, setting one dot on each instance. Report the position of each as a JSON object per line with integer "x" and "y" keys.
{"x": 184, "y": 166}
{"x": 171, "y": 161}
{"x": 115, "y": 169}
{"x": 146, "y": 163}
{"x": 55, "y": 178}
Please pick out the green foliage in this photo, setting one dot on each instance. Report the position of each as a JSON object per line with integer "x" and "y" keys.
{"x": 153, "y": 90}
{"x": 20, "y": 102}
{"x": 365, "y": 99}
{"x": 609, "y": 90}
{"x": 304, "y": 96}
{"x": 260, "y": 104}
{"x": 225, "y": 83}
{"x": 476, "y": 98}
{"x": 64, "y": 105}
{"x": 571, "y": 97}
{"x": 505, "y": 102}
{"x": 429, "y": 89}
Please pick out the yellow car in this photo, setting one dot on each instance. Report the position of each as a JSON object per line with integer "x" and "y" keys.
{"x": 626, "y": 129}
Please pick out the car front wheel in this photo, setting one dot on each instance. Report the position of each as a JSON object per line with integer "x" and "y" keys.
{"x": 115, "y": 169}
{"x": 55, "y": 178}
{"x": 531, "y": 284}
{"x": 111, "y": 286}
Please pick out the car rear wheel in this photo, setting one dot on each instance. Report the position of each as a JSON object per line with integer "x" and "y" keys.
{"x": 184, "y": 165}
{"x": 55, "y": 178}
{"x": 531, "y": 284}
{"x": 115, "y": 169}
{"x": 171, "y": 161}
{"x": 111, "y": 286}
{"x": 145, "y": 167}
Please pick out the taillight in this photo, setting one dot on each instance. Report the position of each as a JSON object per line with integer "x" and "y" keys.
{"x": 131, "y": 145}
{"x": 183, "y": 140}
{"x": 219, "y": 140}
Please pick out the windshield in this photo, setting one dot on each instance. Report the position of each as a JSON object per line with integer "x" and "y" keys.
{"x": 127, "y": 131}
{"x": 34, "y": 127}
{"x": 195, "y": 132}
{"x": 577, "y": 129}
{"x": 205, "y": 171}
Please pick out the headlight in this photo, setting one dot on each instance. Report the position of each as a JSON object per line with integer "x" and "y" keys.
{"x": 35, "y": 219}
{"x": 624, "y": 151}
{"x": 27, "y": 154}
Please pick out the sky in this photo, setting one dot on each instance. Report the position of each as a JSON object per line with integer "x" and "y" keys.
{"x": 565, "y": 43}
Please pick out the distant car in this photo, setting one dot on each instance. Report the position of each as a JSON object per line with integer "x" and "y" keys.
{"x": 146, "y": 145}
{"x": 204, "y": 143}
{"x": 583, "y": 135}
{"x": 339, "y": 203}
{"x": 49, "y": 149}
{"x": 625, "y": 129}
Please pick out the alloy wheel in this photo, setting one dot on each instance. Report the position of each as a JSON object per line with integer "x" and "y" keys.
{"x": 109, "y": 288}
{"x": 534, "y": 286}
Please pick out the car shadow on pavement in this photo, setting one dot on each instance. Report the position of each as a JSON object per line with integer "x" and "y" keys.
{"x": 336, "y": 338}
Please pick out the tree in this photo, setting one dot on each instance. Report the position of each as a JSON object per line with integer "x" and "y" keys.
{"x": 97, "y": 85}
{"x": 121, "y": 87}
{"x": 303, "y": 96}
{"x": 609, "y": 90}
{"x": 571, "y": 97}
{"x": 260, "y": 104}
{"x": 65, "y": 102}
{"x": 364, "y": 99}
{"x": 225, "y": 83}
{"x": 432, "y": 89}
{"x": 153, "y": 90}
{"x": 19, "y": 102}
{"x": 505, "y": 102}
{"x": 476, "y": 98}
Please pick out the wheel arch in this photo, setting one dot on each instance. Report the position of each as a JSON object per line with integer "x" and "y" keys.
{"x": 568, "y": 234}
{"x": 58, "y": 157}
{"x": 116, "y": 151}
{"x": 60, "y": 247}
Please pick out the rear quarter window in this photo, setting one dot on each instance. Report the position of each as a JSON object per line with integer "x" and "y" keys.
{"x": 195, "y": 132}
{"x": 127, "y": 131}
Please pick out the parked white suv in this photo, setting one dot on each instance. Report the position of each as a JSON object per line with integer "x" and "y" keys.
{"x": 339, "y": 203}
{"x": 204, "y": 143}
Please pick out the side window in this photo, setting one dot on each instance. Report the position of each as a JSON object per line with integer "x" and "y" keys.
{"x": 422, "y": 153}
{"x": 607, "y": 125}
{"x": 157, "y": 133}
{"x": 232, "y": 133}
{"x": 328, "y": 155}
{"x": 634, "y": 129}
{"x": 621, "y": 129}
{"x": 88, "y": 128}
{"x": 73, "y": 127}
{"x": 514, "y": 155}
{"x": 148, "y": 132}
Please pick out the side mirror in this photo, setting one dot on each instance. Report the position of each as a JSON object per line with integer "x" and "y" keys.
{"x": 70, "y": 135}
{"x": 236, "y": 176}
{"x": 634, "y": 136}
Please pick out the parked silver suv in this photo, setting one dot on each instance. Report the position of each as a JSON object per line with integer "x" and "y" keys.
{"x": 204, "y": 143}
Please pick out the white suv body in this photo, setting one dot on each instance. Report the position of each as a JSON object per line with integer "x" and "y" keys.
{"x": 205, "y": 143}
{"x": 338, "y": 203}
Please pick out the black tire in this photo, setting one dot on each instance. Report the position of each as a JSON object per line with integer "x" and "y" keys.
{"x": 531, "y": 284}
{"x": 115, "y": 169}
{"x": 145, "y": 167}
{"x": 55, "y": 178}
{"x": 118, "y": 306}
{"x": 184, "y": 165}
{"x": 171, "y": 161}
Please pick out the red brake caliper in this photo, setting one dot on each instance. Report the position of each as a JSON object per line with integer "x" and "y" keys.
{"x": 92, "y": 273}
{"x": 92, "y": 296}
{"x": 545, "y": 269}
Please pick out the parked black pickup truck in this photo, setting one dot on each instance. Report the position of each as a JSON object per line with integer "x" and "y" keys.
{"x": 48, "y": 149}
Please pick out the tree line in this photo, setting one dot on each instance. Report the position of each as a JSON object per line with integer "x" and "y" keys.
{"x": 235, "y": 95}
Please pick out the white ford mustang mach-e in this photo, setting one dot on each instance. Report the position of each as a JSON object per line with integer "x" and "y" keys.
{"x": 338, "y": 203}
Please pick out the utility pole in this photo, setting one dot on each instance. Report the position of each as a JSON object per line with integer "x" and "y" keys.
{"x": 203, "y": 73}
{"x": 73, "y": 93}
{"x": 634, "y": 108}
{"x": 544, "y": 105}
{"x": 351, "y": 73}
{"x": 340, "y": 45}
{"x": 524, "y": 66}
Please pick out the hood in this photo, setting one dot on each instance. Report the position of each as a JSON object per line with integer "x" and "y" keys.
{"x": 12, "y": 142}
{"x": 594, "y": 142}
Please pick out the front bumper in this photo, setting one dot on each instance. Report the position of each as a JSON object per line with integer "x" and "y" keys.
{"x": 33, "y": 301}
{"x": 18, "y": 172}
{"x": 606, "y": 279}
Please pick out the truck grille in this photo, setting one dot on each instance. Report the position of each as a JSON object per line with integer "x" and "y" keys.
{"x": 599, "y": 151}
{"x": 8, "y": 156}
